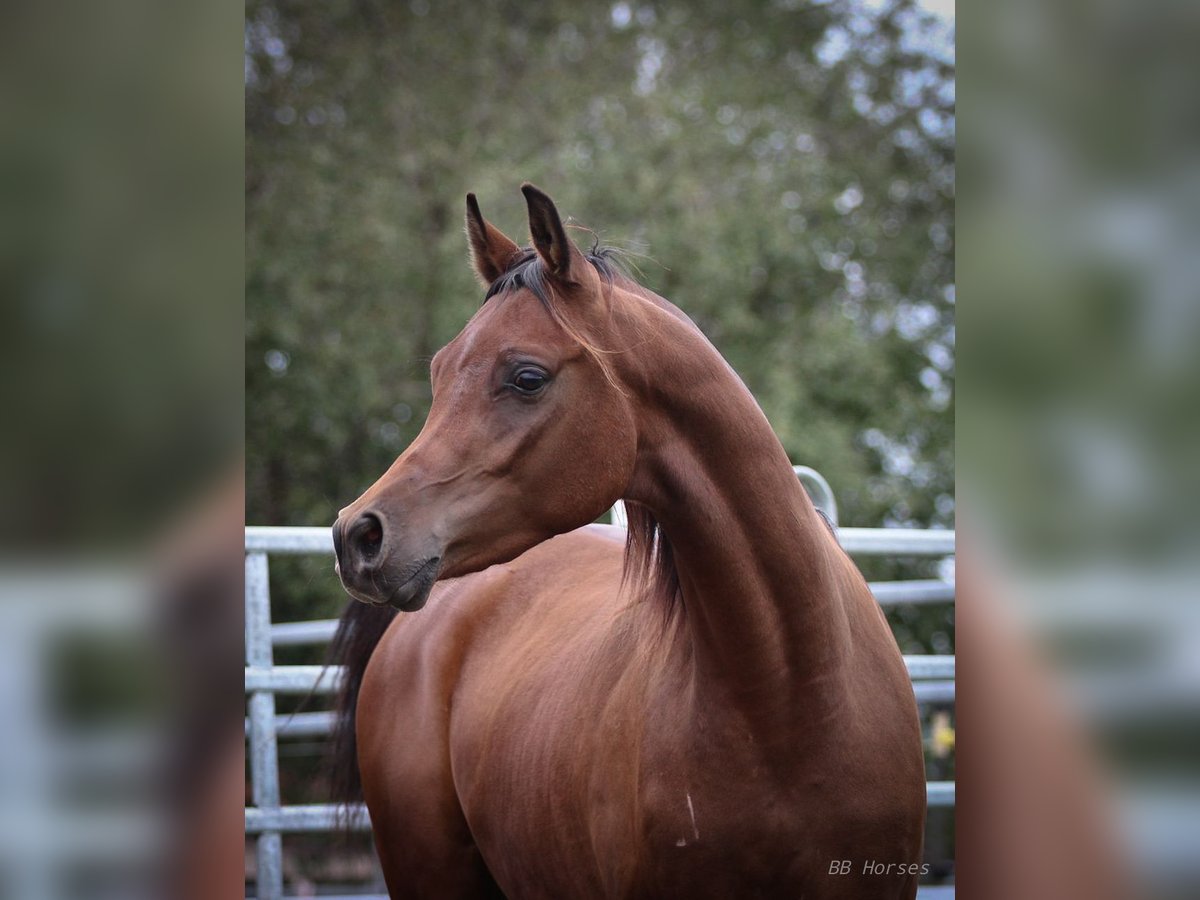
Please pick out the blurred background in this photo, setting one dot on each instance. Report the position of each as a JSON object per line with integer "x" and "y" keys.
{"x": 782, "y": 171}
{"x": 786, "y": 168}
{"x": 121, "y": 275}
{"x": 1078, "y": 428}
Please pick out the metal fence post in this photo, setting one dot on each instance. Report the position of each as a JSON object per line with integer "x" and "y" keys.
{"x": 264, "y": 760}
{"x": 819, "y": 491}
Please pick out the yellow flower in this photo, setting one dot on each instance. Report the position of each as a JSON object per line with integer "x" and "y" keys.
{"x": 941, "y": 735}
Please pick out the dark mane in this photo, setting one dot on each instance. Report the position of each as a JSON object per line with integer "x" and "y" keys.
{"x": 526, "y": 271}
{"x": 649, "y": 568}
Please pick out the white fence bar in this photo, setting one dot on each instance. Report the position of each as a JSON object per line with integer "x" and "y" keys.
{"x": 897, "y": 541}
{"x": 300, "y": 540}
{"x": 891, "y": 593}
{"x": 294, "y": 679}
{"x": 298, "y": 634}
{"x": 308, "y": 818}
{"x": 930, "y": 667}
{"x": 302, "y": 724}
{"x": 264, "y": 755}
{"x": 304, "y": 540}
{"x": 939, "y": 793}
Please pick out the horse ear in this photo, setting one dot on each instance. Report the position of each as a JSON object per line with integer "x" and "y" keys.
{"x": 546, "y": 229}
{"x": 491, "y": 250}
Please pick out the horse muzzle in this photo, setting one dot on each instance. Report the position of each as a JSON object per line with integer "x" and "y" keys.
{"x": 368, "y": 568}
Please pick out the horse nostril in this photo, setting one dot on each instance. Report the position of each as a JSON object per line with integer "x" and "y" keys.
{"x": 367, "y": 536}
{"x": 337, "y": 540}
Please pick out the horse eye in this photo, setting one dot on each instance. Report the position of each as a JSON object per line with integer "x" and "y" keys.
{"x": 529, "y": 381}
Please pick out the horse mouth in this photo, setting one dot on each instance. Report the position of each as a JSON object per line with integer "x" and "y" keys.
{"x": 416, "y": 582}
{"x": 412, "y": 593}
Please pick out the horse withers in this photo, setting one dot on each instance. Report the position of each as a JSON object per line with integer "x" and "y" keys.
{"x": 707, "y": 704}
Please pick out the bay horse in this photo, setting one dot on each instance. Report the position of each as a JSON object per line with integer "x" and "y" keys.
{"x": 707, "y": 704}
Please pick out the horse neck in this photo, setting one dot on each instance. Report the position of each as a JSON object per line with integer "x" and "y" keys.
{"x": 760, "y": 574}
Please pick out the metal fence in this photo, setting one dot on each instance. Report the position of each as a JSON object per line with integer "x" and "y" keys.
{"x": 269, "y": 819}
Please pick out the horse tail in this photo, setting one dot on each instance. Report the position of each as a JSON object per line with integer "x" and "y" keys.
{"x": 359, "y": 631}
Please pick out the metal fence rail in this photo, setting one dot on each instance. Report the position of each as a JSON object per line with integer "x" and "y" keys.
{"x": 298, "y": 540}
{"x": 269, "y": 819}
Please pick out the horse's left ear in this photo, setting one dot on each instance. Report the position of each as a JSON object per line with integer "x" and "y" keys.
{"x": 549, "y": 237}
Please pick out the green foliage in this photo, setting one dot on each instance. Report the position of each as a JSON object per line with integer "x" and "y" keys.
{"x": 785, "y": 168}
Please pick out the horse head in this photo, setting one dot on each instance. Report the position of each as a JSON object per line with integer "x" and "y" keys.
{"x": 529, "y": 435}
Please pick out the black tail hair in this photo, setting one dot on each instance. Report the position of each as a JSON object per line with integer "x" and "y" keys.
{"x": 358, "y": 632}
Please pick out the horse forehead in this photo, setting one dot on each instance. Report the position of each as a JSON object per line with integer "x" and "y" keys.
{"x": 502, "y": 322}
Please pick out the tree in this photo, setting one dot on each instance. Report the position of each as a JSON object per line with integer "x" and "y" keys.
{"x": 787, "y": 169}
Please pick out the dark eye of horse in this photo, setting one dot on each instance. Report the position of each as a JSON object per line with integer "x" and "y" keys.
{"x": 529, "y": 381}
